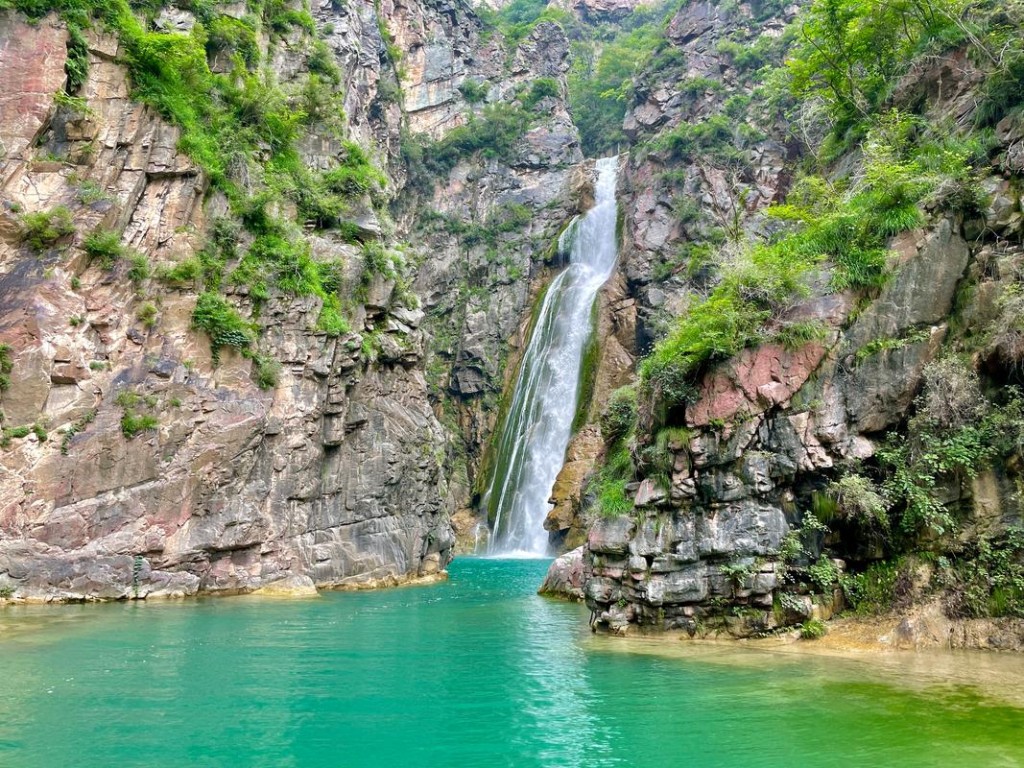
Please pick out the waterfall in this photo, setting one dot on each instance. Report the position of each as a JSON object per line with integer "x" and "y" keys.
{"x": 531, "y": 446}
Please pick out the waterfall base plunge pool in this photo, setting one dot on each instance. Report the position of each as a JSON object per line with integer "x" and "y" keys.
{"x": 478, "y": 671}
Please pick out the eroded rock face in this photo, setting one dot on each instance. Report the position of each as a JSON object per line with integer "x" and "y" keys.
{"x": 330, "y": 478}
{"x": 770, "y": 427}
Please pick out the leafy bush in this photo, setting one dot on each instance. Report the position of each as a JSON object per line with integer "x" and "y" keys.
{"x": 494, "y": 134}
{"x": 881, "y": 588}
{"x": 540, "y": 89}
{"x": 147, "y": 315}
{"x": 42, "y": 230}
{"x": 715, "y": 138}
{"x": 858, "y": 499}
{"x": 6, "y": 366}
{"x": 844, "y": 230}
{"x": 266, "y": 371}
{"x": 133, "y": 424}
{"x": 139, "y": 269}
{"x": 104, "y": 245}
{"x": 851, "y": 52}
{"x": 474, "y": 91}
{"x": 950, "y": 438}
{"x": 225, "y": 33}
{"x": 813, "y": 629}
{"x": 609, "y": 485}
{"x": 222, "y": 323}
{"x": 988, "y": 578}
{"x": 619, "y": 416}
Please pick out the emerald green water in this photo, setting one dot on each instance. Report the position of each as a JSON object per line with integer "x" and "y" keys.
{"x": 477, "y": 671}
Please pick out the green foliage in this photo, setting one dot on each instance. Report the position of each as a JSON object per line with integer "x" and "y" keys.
{"x": 147, "y": 315}
{"x": 954, "y": 434}
{"x": 603, "y": 71}
{"x": 609, "y": 486}
{"x": 43, "y": 229}
{"x": 888, "y": 343}
{"x": 738, "y": 573}
{"x": 9, "y": 434}
{"x": 588, "y": 374}
{"x": 138, "y": 269}
{"x": 813, "y": 629}
{"x": 266, "y": 371}
{"x": 320, "y": 61}
{"x": 796, "y": 334}
{"x": 104, "y": 245}
{"x": 716, "y": 138}
{"x": 987, "y": 579}
{"x": 879, "y": 589}
{"x": 90, "y": 192}
{"x": 77, "y": 64}
{"x": 846, "y": 231}
{"x": 473, "y": 91}
{"x": 619, "y": 416}
{"x": 851, "y": 51}
{"x": 222, "y": 323}
{"x": 824, "y": 574}
{"x": 858, "y": 499}
{"x": 231, "y": 35}
{"x": 133, "y": 423}
{"x": 6, "y": 366}
{"x": 493, "y": 134}
{"x": 540, "y": 89}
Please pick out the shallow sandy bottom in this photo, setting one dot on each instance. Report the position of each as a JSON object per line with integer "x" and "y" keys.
{"x": 850, "y": 651}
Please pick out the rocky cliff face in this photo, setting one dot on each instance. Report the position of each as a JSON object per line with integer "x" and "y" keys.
{"x": 331, "y": 478}
{"x": 140, "y": 460}
{"x": 766, "y": 431}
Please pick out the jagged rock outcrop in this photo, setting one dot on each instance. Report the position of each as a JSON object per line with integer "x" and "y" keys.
{"x": 766, "y": 430}
{"x": 332, "y": 477}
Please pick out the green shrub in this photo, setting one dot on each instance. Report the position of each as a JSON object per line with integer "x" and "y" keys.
{"x": 225, "y": 33}
{"x": 42, "y": 230}
{"x": 474, "y": 91}
{"x": 184, "y": 273}
{"x": 858, "y": 499}
{"x": 266, "y": 371}
{"x": 221, "y": 323}
{"x": 619, "y": 416}
{"x": 139, "y": 269}
{"x": 6, "y": 366}
{"x": 826, "y": 227}
{"x": 988, "y": 578}
{"x": 851, "y": 53}
{"x": 715, "y": 138}
{"x": 881, "y": 588}
{"x": 104, "y": 245}
{"x": 813, "y": 629}
{"x": 493, "y": 133}
{"x": 133, "y": 424}
{"x": 540, "y": 89}
{"x": 609, "y": 485}
{"x": 147, "y": 315}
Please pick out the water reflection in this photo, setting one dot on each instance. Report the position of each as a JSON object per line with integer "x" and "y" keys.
{"x": 476, "y": 672}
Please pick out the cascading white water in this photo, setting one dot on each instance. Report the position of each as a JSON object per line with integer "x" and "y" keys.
{"x": 531, "y": 446}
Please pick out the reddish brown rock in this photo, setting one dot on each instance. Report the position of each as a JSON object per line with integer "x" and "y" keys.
{"x": 32, "y": 62}
{"x": 757, "y": 380}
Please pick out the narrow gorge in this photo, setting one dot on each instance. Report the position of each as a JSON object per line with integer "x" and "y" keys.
{"x": 715, "y": 304}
